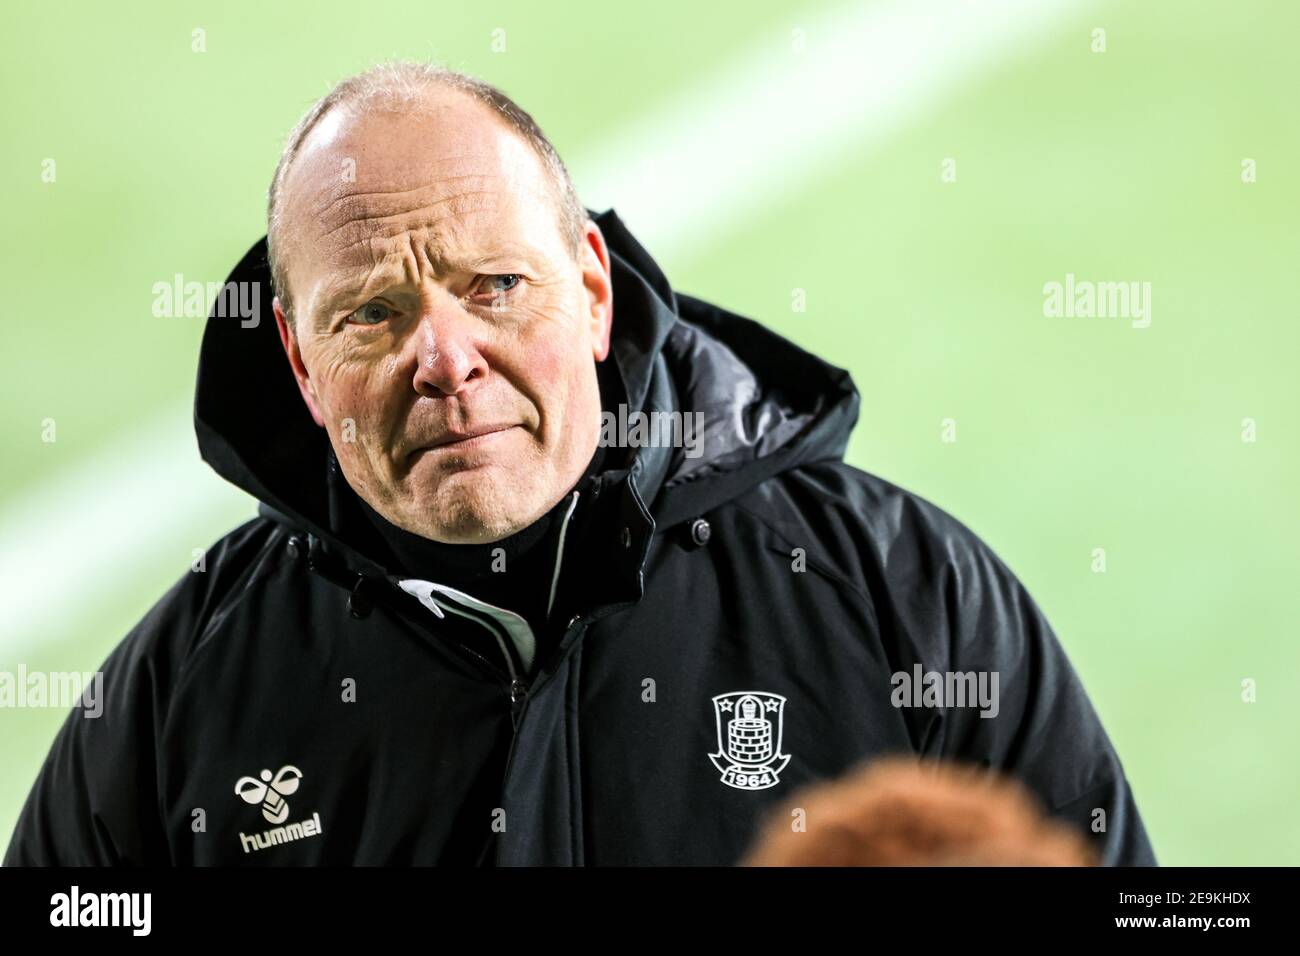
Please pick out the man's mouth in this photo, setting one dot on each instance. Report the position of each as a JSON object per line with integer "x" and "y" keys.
{"x": 464, "y": 440}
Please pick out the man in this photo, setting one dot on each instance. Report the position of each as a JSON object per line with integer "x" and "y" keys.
{"x": 488, "y": 614}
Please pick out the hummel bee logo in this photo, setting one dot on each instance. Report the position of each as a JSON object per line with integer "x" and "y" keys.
{"x": 270, "y": 792}
{"x": 749, "y": 745}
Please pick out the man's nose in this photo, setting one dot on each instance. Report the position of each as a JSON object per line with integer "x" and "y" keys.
{"x": 447, "y": 359}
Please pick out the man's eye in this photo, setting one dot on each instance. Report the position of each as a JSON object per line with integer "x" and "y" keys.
{"x": 499, "y": 285}
{"x": 372, "y": 313}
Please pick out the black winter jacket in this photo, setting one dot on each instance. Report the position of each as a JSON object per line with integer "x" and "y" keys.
{"x": 737, "y": 623}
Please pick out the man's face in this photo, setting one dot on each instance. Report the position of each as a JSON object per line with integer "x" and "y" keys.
{"x": 445, "y": 336}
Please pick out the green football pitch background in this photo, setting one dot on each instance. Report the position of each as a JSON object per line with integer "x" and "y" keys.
{"x": 1072, "y": 433}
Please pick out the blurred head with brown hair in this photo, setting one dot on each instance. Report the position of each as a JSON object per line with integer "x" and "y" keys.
{"x": 903, "y": 812}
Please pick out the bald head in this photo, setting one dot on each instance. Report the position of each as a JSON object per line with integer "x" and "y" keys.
{"x": 402, "y": 90}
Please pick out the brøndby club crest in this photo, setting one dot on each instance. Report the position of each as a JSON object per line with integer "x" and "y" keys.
{"x": 749, "y": 739}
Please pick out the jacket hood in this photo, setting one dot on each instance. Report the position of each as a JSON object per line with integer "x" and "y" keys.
{"x": 762, "y": 404}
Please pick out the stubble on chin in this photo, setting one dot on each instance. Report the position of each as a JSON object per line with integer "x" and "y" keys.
{"x": 474, "y": 507}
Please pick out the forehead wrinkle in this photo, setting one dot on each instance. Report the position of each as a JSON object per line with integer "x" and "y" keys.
{"x": 363, "y": 221}
{"x": 342, "y": 194}
{"x": 367, "y": 219}
{"x": 444, "y": 240}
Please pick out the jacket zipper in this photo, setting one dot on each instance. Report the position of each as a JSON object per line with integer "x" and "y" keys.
{"x": 516, "y": 687}
{"x": 519, "y": 686}
{"x": 509, "y": 680}
{"x": 518, "y": 695}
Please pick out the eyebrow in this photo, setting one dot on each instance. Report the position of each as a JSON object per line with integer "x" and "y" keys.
{"x": 353, "y": 282}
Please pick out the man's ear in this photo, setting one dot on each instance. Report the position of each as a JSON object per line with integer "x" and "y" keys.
{"x": 290, "y": 342}
{"x": 596, "y": 279}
